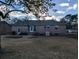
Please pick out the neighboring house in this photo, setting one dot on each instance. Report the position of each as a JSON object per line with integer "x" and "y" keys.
{"x": 5, "y": 28}
{"x": 73, "y": 30}
{"x": 39, "y": 26}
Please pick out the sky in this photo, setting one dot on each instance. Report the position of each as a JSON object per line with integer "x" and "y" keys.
{"x": 63, "y": 7}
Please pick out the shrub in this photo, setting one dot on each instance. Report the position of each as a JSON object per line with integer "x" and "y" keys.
{"x": 23, "y": 33}
{"x": 38, "y": 34}
{"x": 14, "y": 33}
{"x": 56, "y": 34}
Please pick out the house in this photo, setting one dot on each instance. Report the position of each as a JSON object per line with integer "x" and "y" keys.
{"x": 73, "y": 30}
{"x": 5, "y": 28}
{"x": 39, "y": 26}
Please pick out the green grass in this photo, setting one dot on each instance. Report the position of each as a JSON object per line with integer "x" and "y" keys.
{"x": 40, "y": 48}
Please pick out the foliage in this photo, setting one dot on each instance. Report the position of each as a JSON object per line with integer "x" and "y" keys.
{"x": 69, "y": 19}
{"x": 34, "y": 6}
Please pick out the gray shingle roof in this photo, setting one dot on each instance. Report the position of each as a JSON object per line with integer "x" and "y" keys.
{"x": 37, "y": 23}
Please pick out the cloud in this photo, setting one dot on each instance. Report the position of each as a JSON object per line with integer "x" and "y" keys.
{"x": 3, "y": 8}
{"x": 32, "y": 17}
{"x": 74, "y": 7}
{"x": 69, "y": 0}
{"x": 17, "y": 14}
{"x": 53, "y": 17}
{"x": 57, "y": 18}
{"x": 48, "y": 18}
{"x": 64, "y": 4}
{"x": 60, "y": 12}
{"x": 20, "y": 15}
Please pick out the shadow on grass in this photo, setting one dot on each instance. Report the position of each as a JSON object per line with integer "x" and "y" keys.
{"x": 14, "y": 36}
{"x": 72, "y": 36}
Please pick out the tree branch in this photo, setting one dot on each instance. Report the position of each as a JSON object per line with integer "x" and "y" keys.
{"x": 4, "y": 16}
{"x": 4, "y": 3}
{"x": 9, "y": 4}
{"x": 13, "y": 11}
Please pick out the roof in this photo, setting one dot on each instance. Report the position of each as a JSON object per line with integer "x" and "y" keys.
{"x": 37, "y": 23}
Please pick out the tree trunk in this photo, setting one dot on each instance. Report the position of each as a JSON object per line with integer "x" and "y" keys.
{"x": 0, "y": 43}
{"x": 0, "y": 35}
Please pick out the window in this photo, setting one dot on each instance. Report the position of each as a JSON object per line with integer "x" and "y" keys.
{"x": 56, "y": 27}
{"x": 32, "y": 28}
{"x": 47, "y": 26}
{"x": 18, "y": 29}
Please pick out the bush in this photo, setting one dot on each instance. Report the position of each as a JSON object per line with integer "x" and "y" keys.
{"x": 14, "y": 33}
{"x": 38, "y": 34}
{"x": 23, "y": 33}
{"x": 56, "y": 34}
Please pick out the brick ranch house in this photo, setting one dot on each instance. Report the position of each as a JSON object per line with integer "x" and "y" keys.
{"x": 39, "y": 26}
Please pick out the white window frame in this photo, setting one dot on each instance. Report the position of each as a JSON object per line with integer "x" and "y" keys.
{"x": 31, "y": 29}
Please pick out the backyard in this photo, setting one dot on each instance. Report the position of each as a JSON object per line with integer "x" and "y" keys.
{"x": 39, "y": 47}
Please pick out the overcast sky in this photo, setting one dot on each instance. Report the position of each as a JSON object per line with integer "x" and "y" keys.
{"x": 64, "y": 7}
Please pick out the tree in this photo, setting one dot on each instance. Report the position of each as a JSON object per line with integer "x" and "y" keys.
{"x": 37, "y": 7}
{"x": 74, "y": 18}
{"x": 70, "y": 20}
{"x": 3, "y": 16}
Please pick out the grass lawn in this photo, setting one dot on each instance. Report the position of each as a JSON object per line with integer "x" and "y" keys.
{"x": 39, "y": 47}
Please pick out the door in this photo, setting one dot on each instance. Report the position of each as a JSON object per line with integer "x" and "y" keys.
{"x": 19, "y": 31}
